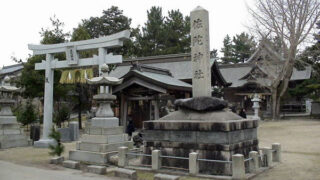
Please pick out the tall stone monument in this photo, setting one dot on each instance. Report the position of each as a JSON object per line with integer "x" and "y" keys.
{"x": 200, "y": 52}
{"x": 203, "y": 124}
{"x": 11, "y": 135}
{"x": 104, "y": 135}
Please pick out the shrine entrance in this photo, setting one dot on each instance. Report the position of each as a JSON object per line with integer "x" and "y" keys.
{"x": 145, "y": 93}
{"x": 72, "y": 49}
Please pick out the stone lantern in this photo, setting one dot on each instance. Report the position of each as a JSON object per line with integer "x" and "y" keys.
{"x": 104, "y": 135}
{"x": 10, "y": 133}
{"x": 6, "y": 95}
{"x": 256, "y": 106}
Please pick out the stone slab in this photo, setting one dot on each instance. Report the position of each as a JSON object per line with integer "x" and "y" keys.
{"x": 104, "y": 122}
{"x": 102, "y": 139}
{"x": 96, "y": 169}
{"x": 200, "y": 125}
{"x": 90, "y": 157}
{"x": 74, "y": 131}
{"x": 165, "y": 177}
{"x": 204, "y": 137}
{"x": 11, "y": 131}
{"x": 65, "y": 134}
{"x": 8, "y": 120}
{"x": 85, "y": 146}
{"x": 4, "y": 144}
{"x": 125, "y": 173}
{"x": 71, "y": 164}
{"x": 9, "y": 126}
{"x": 44, "y": 143}
{"x": 104, "y": 131}
{"x": 57, "y": 160}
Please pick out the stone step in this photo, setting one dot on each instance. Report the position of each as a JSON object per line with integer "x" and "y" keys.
{"x": 11, "y": 143}
{"x": 104, "y": 139}
{"x": 96, "y": 169}
{"x": 85, "y": 146}
{"x": 91, "y": 157}
{"x": 8, "y": 120}
{"x": 165, "y": 177}
{"x": 125, "y": 173}
{"x": 104, "y": 131}
{"x": 71, "y": 164}
{"x": 13, "y": 137}
{"x": 10, "y": 131}
{"x": 9, "y": 126}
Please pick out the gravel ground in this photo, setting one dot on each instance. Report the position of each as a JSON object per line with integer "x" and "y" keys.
{"x": 300, "y": 141}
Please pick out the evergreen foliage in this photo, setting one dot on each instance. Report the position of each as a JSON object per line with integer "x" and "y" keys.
{"x": 26, "y": 114}
{"x": 58, "y": 148}
{"x": 239, "y": 49}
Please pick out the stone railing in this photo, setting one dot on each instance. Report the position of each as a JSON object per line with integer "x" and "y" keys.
{"x": 265, "y": 159}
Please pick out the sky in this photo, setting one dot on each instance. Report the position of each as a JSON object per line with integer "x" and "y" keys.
{"x": 22, "y": 20}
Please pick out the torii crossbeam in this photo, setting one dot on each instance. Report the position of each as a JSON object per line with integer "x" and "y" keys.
{"x": 72, "y": 50}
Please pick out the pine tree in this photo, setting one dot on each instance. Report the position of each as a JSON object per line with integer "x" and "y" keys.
{"x": 243, "y": 47}
{"x": 58, "y": 148}
{"x": 227, "y": 51}
{"x": 177, "y": 29}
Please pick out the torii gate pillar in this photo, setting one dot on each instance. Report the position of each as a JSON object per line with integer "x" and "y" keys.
{"x": 48, "y": 105}
{"x": 72, "y": 49}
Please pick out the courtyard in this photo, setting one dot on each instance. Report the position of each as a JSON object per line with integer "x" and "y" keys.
{"x": 299, "y": 139}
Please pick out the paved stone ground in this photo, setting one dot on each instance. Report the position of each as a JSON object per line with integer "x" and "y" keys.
{"x": 300, "y": 141}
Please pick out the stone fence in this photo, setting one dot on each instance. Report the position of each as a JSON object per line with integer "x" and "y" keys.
{"x": 256, "y": 160}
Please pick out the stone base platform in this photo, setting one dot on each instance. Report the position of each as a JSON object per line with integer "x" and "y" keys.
{"x": 214, "y": 139}
{"x": 11, "y": 135}
{"x": 99, "y": 144}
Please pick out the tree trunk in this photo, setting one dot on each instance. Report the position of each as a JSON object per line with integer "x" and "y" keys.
{"x": 274, "y": 103}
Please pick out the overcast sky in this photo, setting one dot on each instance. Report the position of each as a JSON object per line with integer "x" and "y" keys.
{"x": 22, "y": 20}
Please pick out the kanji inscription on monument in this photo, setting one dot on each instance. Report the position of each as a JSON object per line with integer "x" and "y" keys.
{"x": 200, "y": 55}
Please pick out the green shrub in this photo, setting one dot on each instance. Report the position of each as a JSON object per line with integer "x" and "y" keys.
{"x": 58, "y": 148}
{"x": 26, "y": 114}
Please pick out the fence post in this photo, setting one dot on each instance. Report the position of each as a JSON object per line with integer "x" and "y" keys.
{"x": 238, "y": 169}
{"x": 193, "y": 163}
{"x": 267, "y": 156}
{"x": 276, "y": 155}
{"x": 156, "y": 160}
{"x": 123, "y": 159}
{"x": 254, "y": 162}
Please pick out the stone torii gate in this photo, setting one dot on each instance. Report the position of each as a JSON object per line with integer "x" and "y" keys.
{"x": 73, "y": 61}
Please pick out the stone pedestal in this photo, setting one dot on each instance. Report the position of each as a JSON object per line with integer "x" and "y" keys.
{"x": 100, "y": 142}
{"x": 103, "y": 137}
{"x": 215, "y": 135}
{"x": 10, "y": 133}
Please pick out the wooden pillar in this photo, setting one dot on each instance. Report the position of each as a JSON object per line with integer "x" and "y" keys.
{"x": 125, "y": 113}
{"x": 156, "y": 109}
{"x": 121, "y": 108}
{"x": 150, "y": 110}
